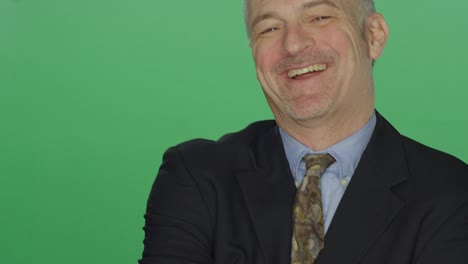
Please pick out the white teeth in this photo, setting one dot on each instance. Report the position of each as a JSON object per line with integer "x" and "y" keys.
{"x": 312, "y": 68}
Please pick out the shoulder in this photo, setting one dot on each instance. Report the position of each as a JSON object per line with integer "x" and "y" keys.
{"x": 426, "y": 165}
{"x": 424, "y": 157}
{"x": 437, "y": 174}
{"x": 210, "y": 163}
{"x": 227, "y": 147}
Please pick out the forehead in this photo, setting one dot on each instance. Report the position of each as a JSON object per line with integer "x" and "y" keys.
{"x": 259, "y": 10}
{"x": 256, "y": 7}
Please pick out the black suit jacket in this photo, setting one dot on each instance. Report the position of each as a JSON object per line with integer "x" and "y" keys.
{"x": 230, "y": 201}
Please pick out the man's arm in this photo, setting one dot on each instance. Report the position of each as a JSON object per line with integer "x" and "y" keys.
{"x": 449, "y": 243}
{"x": 178, "y": 227}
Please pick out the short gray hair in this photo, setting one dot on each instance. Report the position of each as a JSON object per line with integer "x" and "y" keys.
{"x": 366, "y": 8}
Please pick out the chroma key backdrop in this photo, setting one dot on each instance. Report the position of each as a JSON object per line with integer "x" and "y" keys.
{"x": 92, "y": 92}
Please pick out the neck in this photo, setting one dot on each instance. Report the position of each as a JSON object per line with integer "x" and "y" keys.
{"x": 323, "y": 132}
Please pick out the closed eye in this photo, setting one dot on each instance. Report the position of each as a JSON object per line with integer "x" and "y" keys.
{"x": 320, "y": 18}
{"x": 272, "y": 29}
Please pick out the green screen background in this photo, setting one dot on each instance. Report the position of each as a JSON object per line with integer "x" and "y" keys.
{"x": 92, "y": 92}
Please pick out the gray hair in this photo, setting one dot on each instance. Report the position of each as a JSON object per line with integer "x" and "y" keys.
{"x": 366, "y": 8}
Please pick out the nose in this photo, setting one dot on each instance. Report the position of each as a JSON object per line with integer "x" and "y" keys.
{"x": 296, "y": 40}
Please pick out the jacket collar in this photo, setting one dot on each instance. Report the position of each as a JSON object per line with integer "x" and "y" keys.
{"x": 269, "y": 192}
{"x": 366, "y": 209}
{"x": 369, "y": 204}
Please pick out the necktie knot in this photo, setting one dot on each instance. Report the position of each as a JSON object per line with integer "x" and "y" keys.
{"x": 316, "y": 164}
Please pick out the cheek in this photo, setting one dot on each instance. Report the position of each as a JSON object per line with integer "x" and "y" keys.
{"x": 338, "y": 41}
{"x": 346, "y": 41}
{"x": 266, "y": 54}
{"x": 261, "y": 59}
{"x": 356, "y": 44}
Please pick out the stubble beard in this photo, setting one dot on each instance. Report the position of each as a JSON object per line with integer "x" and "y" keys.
{"x": 306, "y": 105}
{"x": 300, "y": 109}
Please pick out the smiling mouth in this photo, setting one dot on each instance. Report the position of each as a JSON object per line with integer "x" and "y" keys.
{"x": 312, "y": 68}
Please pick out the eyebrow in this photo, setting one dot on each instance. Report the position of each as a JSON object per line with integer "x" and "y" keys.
{"x": 307, "y": 5}
{"x": 319, "y": 2}
{"x": 262, "y": 17}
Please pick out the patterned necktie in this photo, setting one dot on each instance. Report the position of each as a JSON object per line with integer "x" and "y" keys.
{"x": 308, "y": 232}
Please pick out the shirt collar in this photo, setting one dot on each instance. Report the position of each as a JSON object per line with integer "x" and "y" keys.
{"x": 346, "y": 152}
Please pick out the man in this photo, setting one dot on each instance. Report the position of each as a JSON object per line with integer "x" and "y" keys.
{"x": 382, "y": 198}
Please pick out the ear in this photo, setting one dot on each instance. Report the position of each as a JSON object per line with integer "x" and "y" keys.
{"x": 377, "y": 34}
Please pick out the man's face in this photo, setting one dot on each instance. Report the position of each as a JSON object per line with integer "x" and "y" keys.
{"x": 312, "y": 57}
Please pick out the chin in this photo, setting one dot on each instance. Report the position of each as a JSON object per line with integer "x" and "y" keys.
{"x": 307, "y": 110}
{"x": 307, "y": 113}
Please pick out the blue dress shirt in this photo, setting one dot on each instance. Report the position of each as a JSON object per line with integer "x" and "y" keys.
{"x": 336, "y": 178}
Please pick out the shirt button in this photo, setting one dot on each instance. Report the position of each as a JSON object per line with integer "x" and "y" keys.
{"x": 344, "y": 182}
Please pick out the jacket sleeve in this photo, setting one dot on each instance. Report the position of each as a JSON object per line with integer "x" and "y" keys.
{"x": 178, "y": 227}
{"x": 449, "y": 242}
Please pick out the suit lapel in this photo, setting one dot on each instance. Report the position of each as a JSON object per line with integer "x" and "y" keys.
{"x": 368, "y": 205}
{"x": 269, "y": 192}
